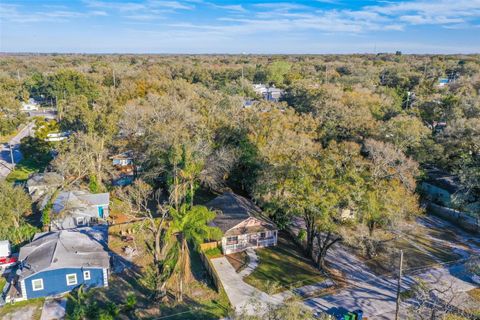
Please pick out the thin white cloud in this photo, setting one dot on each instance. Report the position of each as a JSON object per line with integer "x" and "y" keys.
{"x": 234, "y": 7}
{"x": 18, "y": 14}
{"x": 169, "y": 4}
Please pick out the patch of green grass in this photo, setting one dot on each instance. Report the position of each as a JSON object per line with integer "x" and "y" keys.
{"x": 7, "y": 137}
{"x": 283, "y": 267}
{"x": 21, "y": 307}
{"x": 3, "y": 281}
{"x": 213, "y": 253}
{"x": 24, "y": 169}
{"x": 209, "y": 305}
{"x": 387, "y": 260}
{"x": 475, "y": 294}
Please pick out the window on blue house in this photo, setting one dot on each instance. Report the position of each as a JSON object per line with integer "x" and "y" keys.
{"x": 72, "y": 279}
{"x": 37, "y": 284}
{"x": 86, "y": 275}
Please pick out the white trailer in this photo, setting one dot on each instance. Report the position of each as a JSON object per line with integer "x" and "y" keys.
{"x": 5, "y": 249}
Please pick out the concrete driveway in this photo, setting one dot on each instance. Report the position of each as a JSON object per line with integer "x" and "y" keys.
{"x": 242, "y": 296}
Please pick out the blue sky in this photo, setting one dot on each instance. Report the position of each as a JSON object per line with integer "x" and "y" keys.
{"x": 251, "y": 26}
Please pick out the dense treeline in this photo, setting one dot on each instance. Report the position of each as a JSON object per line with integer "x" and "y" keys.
{"x": 352, "y": 133}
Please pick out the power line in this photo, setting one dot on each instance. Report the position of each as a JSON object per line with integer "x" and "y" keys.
{"x": 347, "y": 286}
{"x": 399, "y": 285}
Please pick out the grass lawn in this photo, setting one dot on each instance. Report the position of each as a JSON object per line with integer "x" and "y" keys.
{"x": 475, "y": 294}
{"x": 8, "y": 137}
{"x": 422, "y": 246}
{"x": 3, "y": 281}
{"x": 213, "y": 253}
{"x": 24, "y": 169}
{"x": 473, "y": 306}
{"x": 283, "y": 267}
{"x": 29, "y": 308}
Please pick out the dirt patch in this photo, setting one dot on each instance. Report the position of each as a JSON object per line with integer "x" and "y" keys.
{"x": 24, "y": 310}
{"x": 239, "y": 260}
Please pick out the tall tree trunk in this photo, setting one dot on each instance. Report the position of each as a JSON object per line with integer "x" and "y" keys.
{"x": 310, "y": 226}
{"x": 323, "y": 246}
{"x": 100, "y": 163}
{"x": 371, "y": 228}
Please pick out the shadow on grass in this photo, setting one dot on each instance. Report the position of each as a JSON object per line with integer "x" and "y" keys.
{"x": 284, "y": 265}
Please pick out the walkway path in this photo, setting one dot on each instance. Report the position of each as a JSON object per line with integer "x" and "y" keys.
{"x": 252, "y": 263}
{"x": 242, "y": 295}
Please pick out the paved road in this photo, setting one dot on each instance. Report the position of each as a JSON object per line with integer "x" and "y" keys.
{"x": 374, "y": 294}
{"x": 5, "y": 159}
{"x": 48, "y": 114}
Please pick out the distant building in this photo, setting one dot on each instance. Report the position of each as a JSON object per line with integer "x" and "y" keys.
{"x": 443, "y": 82}
{"x": 40, "y": 184}
{"x": 444, "y": 189}
{"x": 31, "y": 105}
{"x": 122, "y": 159}
{"x": 248, "y": 103}
{"x": 440, "y": 187}
{"x": 242, "y": 223}
{"x": 57, "y": 136}
{"x": 268, "y": 93}
{"x": 58, "y": 262}
{"x": 125, "y": 168}
{"x": 260, "y": 89}
{"x": 72, "y": 209}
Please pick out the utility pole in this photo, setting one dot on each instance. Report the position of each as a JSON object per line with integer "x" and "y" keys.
{"x": 18, "y": 75}
{"x": 399, "y": 285}
{"x": 114, "y": 80}
{"x": 11, "y": 153}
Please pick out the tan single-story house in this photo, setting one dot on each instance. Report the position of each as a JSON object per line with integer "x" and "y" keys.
{"x": 242, "y": 223}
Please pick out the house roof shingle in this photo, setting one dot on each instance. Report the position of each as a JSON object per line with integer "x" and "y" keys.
{"x": 72, "y": 248}
{"x": 233, "y": 209}
{"x": 80, "y": 201}
{"x": 45, "y": 179}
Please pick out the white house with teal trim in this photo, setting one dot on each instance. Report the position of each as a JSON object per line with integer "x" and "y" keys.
{"x": 58, "y": 262}
{"x": 73, "y": 209}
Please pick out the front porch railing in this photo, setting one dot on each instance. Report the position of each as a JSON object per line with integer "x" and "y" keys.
{"x": 250, "y": 244}
{"x": 266, "y": 242}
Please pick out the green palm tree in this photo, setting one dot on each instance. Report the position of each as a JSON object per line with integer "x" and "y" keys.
{"x": 189, "y": 224}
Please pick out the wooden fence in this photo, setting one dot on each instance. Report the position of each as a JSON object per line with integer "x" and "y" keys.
{"x": 211, "y": 271}
{"x": 209, "y": 245}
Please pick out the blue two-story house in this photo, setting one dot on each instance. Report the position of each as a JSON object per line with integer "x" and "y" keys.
{"x": 58, "y": 262}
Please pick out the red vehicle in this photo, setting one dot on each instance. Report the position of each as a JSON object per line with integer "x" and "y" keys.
{"x": 6, "y": 260}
